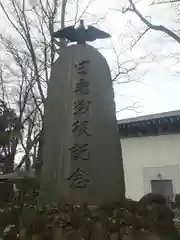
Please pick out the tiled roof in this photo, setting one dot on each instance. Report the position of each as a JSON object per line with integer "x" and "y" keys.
{"x": 155, "y": 124}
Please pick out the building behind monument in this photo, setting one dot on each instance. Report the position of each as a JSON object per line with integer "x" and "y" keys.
{"x": 151, "y": 154}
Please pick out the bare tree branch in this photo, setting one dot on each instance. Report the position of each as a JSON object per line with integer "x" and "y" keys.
{"x": 140, "y": 36}
{"x": 164, "y": 2}
{"x": 27, "y": 152}
{"x": 160, "y": 28}
{"x": 134, "y": 107}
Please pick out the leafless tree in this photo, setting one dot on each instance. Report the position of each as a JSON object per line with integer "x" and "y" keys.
{"x": 29, "y": 51}
{"x": 148, "y": 23}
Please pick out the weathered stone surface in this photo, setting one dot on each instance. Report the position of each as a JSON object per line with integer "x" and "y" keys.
{"x": 103, "y": 177}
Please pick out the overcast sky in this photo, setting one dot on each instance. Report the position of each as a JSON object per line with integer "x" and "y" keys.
{"x": 160, "y": 91}
{"x": 158, "y": 86}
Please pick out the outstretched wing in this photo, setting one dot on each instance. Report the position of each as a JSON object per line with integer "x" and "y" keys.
{"x": 95, "y": 33}
{"x": 68, "y": 33}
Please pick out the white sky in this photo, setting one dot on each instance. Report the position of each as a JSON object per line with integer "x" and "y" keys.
{"x": 159, "y": 86}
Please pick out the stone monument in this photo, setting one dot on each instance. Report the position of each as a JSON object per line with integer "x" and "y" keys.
{"x": 82, "y": 155}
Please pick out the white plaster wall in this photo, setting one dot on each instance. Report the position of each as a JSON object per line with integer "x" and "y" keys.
{"x": 145, "y": 157}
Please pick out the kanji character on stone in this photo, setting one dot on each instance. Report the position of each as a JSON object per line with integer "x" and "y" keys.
{"x": 79, "y": 179}
{"x": 81, "y": 107}
{"x": 79, "y": 152}
{"x": 82, "y": 87}
{"x": 82, "y": 67}
{"x": 80, "y": 127}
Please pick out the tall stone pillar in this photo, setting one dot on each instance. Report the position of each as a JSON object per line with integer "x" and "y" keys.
{"x": 81, "y": 156}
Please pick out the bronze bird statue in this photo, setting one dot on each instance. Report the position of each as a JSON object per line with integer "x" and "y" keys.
{"x": 81, "y": 35}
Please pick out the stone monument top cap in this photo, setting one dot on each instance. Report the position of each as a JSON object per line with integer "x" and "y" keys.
{"x": 80, "y": 34}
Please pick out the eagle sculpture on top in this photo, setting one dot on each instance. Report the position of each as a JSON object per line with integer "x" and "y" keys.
{"x": 81, "y": 35}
